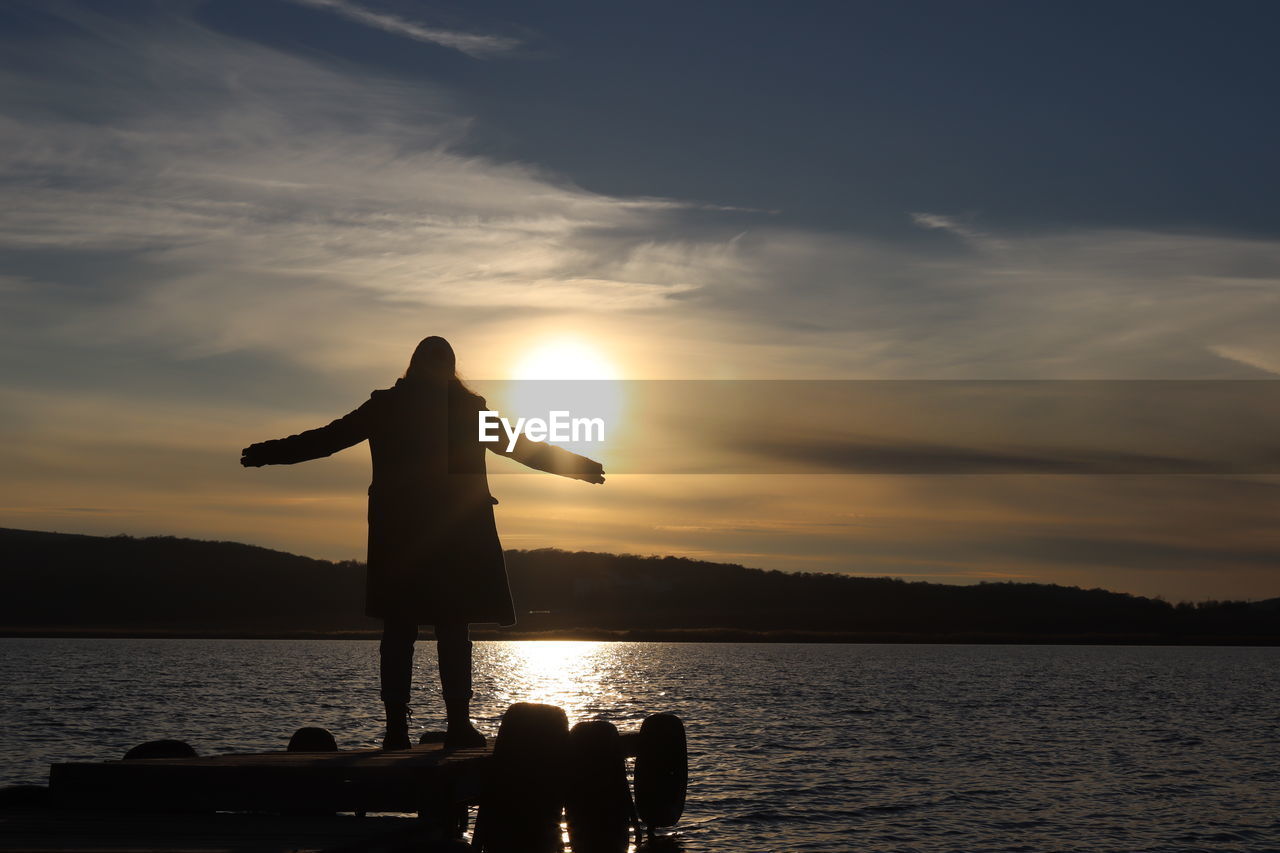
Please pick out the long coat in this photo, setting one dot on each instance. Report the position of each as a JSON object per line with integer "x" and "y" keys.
{"x": 434, "y": 555}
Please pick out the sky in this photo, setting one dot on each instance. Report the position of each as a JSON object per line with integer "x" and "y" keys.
{"x": 224, "y": 221}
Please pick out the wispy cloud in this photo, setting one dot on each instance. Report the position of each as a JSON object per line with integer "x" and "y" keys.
{"x": 479, "y": 46}
{"x": 953, "y": 225}
{"x": 268, "y": 192}
{"x": 1083, "y": 304}
{"x": 255, "y": 195}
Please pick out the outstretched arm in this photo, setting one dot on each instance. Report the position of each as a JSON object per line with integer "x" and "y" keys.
{"x": 312, "y": 444}
{"x": 552, "y": 459}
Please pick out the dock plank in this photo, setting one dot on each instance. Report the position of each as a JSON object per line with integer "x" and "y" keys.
{"x": 350, "y": 781}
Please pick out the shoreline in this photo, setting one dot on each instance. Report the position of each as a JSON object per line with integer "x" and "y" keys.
{"x": 672, "y": 636}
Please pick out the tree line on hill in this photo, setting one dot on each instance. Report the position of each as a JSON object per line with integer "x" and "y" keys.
{"x": 75, "y": 584}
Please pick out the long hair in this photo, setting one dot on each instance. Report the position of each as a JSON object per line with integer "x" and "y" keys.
{"x": 434, "y": 360}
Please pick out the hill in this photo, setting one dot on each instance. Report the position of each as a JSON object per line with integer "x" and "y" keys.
{"x": 68, "y": 583}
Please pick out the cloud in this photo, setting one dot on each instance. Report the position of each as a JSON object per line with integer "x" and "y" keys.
{"x": 950, "y": 224}
{"x": 478, "y": 46}
{"x": 904, "y": 457}
{"x": 1083, "y": 304}
{"x": 254, "y": 196}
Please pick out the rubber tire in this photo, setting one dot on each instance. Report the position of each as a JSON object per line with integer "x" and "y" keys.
{"x": 312, "y": 739}
{"x": 524, "y": 797}
{"x": 597, "y": 803}
{"x": 161, "y": 749}
{"x": 662, "y": 770}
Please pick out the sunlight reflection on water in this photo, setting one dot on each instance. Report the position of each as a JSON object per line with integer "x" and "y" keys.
{"x": 564, "y": 673}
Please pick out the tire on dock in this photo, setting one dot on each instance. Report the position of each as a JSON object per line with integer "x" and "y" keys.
{"x": 312, "y": 739}
{"x": 165, "y": 748}
{"x": 662, "y": 770}
{"x": 521, "y": 807}
{"x": 597, "y": 803}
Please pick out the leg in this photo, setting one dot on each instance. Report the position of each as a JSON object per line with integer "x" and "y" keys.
{"x": 396, "y": 670}
{"x": 453, "y": 647}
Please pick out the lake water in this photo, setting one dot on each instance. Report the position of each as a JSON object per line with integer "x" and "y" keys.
{"x": 793, "y": 747}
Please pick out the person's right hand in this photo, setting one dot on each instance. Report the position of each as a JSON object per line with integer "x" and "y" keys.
{"x": 250, "y": 458}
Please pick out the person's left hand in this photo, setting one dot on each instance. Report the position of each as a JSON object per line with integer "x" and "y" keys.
{"x": 250, "y": 458}
{"x": 591, "y": 471}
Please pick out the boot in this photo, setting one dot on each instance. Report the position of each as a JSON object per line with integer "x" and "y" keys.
{"x": 454, "y": 651}
{"x": 461, "y": 733}
{"x": 397, "y": 736}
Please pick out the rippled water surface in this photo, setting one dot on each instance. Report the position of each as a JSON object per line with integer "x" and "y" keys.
{"x": 793, "y": 747}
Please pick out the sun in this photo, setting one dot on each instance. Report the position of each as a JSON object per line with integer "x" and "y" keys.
{"x": 565, "y": 358}
{"x": 570, "y": 376}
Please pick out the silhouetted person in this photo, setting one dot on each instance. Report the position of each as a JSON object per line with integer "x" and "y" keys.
{"x": 434, "y": 555}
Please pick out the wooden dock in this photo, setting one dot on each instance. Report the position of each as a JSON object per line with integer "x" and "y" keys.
{"x": 358, "y": 800}
{"x": 357, "y": 781}
{"x": 318, "y": 798}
